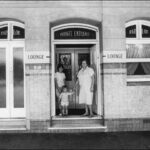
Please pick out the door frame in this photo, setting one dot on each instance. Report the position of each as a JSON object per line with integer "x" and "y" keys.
{"x": 74, "y": 55}
{"x": 9, "y": 112}
{"x": 75, "y": 42}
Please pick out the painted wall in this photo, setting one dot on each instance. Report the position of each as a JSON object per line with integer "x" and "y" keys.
{"x": 121, "y": 99}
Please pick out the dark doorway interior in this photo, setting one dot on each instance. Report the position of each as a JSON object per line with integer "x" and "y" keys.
{"x": 72, "y": 111}
{"x": 74, "y": 55}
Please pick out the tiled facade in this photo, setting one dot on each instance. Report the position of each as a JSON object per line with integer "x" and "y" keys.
{"x": 125, "y": 105}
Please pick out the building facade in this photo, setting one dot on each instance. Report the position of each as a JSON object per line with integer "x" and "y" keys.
{"x": 35, "y": 36}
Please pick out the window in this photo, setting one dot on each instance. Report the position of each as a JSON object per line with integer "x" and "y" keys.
{"x": 11, "y": 30}
{"x": 3, "y": 31}
{"x": 138, "y": 49}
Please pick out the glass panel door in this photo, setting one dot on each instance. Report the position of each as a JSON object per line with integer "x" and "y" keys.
{"x": 65, "y": 56}
{"x": 17, "y": 84}
{"x": 4, "y": 90}
{"x": 18, "y": 78}
{"x": 71, "y": 59}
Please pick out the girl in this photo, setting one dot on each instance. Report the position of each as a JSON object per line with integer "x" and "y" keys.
{"x": 64, "y": 100}
{"x": 59, "y": 81}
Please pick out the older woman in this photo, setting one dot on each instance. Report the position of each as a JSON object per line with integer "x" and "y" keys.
{"x": 86, "y": 85}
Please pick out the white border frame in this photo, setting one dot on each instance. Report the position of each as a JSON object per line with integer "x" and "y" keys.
{"x": 86, "y": 41}
{"x": 138, "y": 40}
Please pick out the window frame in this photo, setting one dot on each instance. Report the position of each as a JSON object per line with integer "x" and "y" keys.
{"x": 138, "y": 40}
{"x": 10, "y": 25}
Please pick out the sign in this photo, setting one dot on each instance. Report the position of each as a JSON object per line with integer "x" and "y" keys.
{"x": 114, "y": 56}
{"x": 74, "y": 33}
{"x": 3, "y": 32}
{"x": 145, "y": 31}
{"x": 37, "y": 57}
{"x": 18, "y": 32}
{"x": 131, "y": 32}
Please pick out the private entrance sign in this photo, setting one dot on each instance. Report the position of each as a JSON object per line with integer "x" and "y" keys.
{"x": 37, "y": 57}
{"x": 114, "y": 57}
{"x": 74, "y": 34}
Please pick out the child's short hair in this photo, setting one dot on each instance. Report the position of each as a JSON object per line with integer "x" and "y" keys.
{"x": 65, "y": 86}
{"x": 60, "y": 66}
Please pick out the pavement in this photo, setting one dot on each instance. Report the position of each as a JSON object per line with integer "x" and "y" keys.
{"x": 108, "y": 140}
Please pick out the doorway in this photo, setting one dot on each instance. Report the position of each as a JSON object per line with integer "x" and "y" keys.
{"x": 71, "y": 56}
{"x": 12, "y": 80}
{"x": 76, "y": 41}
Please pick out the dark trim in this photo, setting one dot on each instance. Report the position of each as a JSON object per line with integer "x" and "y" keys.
{"x": 113, "y": 73}
{"x": 138, "y": 83}
{"x": 114, "y": 66}
{"x": 101, "y": 71}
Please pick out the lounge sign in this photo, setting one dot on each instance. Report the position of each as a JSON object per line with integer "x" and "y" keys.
{"x": 37, "y": 57}
{"x": 74, "y": 33}
{"x": 114, "y": 57}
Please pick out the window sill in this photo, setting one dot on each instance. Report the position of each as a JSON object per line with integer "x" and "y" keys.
{"x": 138, "y": 78}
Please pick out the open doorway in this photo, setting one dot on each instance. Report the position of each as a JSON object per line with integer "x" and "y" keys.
{"x": 71, "y": 56}
{"x": 70, "y": 43}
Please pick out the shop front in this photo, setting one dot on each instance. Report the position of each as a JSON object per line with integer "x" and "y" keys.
{"x": 114, "y": 38}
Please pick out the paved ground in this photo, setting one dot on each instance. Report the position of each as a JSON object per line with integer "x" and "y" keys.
{"x": 121, "y": 140}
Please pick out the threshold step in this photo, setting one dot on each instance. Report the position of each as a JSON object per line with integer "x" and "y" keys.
{"x": 76, "y": 121}
{"x": 73, "y": 117}
{"x": 78, "y": 129}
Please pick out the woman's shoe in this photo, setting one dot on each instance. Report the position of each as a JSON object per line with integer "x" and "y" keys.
{"x": 91, "y": 115}
{"x": 85, "y": 114}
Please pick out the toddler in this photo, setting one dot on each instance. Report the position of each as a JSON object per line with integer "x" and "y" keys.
{"x": 64, "y": 100}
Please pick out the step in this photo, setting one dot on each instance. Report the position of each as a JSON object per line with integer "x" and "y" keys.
{"x": 76, "y": 121}
{"x": 85, "y": 129}
{"x": 12, "y": 124}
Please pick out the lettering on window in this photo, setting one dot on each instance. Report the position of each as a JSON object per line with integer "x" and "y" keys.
{"x": 131, "y": 31}
{"x": 3, "y": 32}
{"x": 18, "y": 32}
{"x": 145, "y": 31}
{"x": 75, "y": 33}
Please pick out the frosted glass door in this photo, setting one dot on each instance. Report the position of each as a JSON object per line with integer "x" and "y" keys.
{"x": 18, "y": 105}
{"x": 4, "y": 103}
{"x": 18, "y": 77}
{"x": 2, "y": 78}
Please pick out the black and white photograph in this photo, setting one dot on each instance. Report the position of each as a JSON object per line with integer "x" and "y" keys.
{"x": 74, "y": 74}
